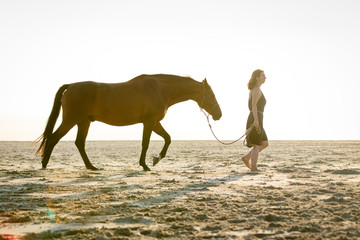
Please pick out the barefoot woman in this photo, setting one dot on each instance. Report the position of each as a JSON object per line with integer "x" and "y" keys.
{"x": 257, "y": 139}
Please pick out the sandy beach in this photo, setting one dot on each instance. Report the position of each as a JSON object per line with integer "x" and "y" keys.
{"x": 201, "y": 190}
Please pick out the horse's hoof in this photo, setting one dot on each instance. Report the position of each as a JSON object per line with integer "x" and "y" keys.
{"x": 92, "y": 168}
{"x": 43, "y": 168}
{"x": 156, "y": 160}
{"x": 146, "y": 168}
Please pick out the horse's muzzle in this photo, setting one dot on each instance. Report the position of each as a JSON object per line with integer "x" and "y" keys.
{"x": 217, "y": 115}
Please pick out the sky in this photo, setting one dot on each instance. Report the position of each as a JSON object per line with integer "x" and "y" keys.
{"x": 308, "y": 49}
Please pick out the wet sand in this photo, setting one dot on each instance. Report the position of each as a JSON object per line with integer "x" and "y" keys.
{"x": 306, "y": 190}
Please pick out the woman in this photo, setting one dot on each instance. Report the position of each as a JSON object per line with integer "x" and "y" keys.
{"x": 257, "y": 139}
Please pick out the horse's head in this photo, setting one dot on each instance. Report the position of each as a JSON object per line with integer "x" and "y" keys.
{"x": 209, "y": 102}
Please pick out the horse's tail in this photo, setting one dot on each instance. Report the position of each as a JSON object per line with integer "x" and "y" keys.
{"x": 44, "y": 138}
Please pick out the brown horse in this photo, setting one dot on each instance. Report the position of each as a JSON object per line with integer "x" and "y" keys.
{"x": 144, "y": 99}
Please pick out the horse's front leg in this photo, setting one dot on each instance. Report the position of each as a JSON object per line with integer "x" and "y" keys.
{"x": 148, "y": 128}
{"x": 161, "y": 132}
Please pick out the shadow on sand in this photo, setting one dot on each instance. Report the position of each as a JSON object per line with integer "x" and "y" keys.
{"x": 197, "y": 187}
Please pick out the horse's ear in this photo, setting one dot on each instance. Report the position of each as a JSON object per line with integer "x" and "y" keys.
{"x": 205, "y": 81}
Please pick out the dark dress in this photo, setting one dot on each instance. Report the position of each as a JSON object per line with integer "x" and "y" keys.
{"x": 254, "y": 137}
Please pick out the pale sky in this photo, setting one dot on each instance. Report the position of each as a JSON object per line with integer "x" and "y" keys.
{"x": 309, "y": 50}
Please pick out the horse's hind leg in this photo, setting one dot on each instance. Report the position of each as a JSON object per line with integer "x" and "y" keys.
{"x": 83, "y": 128}
{"x": 161, "y": 132}
{"x": 53, "y": 140}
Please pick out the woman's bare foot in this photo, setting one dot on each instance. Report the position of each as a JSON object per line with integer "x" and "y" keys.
{"x": 255, "y": 170}
{"x": 246, "y": 161}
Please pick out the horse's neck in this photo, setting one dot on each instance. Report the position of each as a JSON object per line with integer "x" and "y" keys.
{"x": 183, "y": 91}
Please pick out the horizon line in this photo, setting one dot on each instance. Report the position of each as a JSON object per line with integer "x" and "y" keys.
{"x": 161, "y": 140}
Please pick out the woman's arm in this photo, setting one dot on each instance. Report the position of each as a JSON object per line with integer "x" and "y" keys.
{"x": 255, "y": 96}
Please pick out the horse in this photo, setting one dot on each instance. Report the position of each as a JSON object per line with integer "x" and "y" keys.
{"x": 144, "y": 99}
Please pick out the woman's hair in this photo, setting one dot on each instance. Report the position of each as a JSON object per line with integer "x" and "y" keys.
{"x": 253, "y": 81}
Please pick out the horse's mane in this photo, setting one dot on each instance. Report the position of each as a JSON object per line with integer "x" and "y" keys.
{"x": 174, "y": 77}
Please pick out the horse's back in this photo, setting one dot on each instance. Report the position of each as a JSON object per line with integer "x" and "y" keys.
{"x": 122, "y": 103}
{"x": 145, "y": 82}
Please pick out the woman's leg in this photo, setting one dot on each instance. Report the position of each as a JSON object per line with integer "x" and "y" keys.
{"x": 247, "y": 157}
{"x": 264, "y": 144}
{"x": 254, "y": 157}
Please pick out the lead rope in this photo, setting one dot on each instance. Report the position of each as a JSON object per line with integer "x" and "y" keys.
{"x": 207, "y": 117}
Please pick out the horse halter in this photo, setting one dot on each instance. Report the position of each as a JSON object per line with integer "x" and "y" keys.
{"x": 204, "y": 99}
